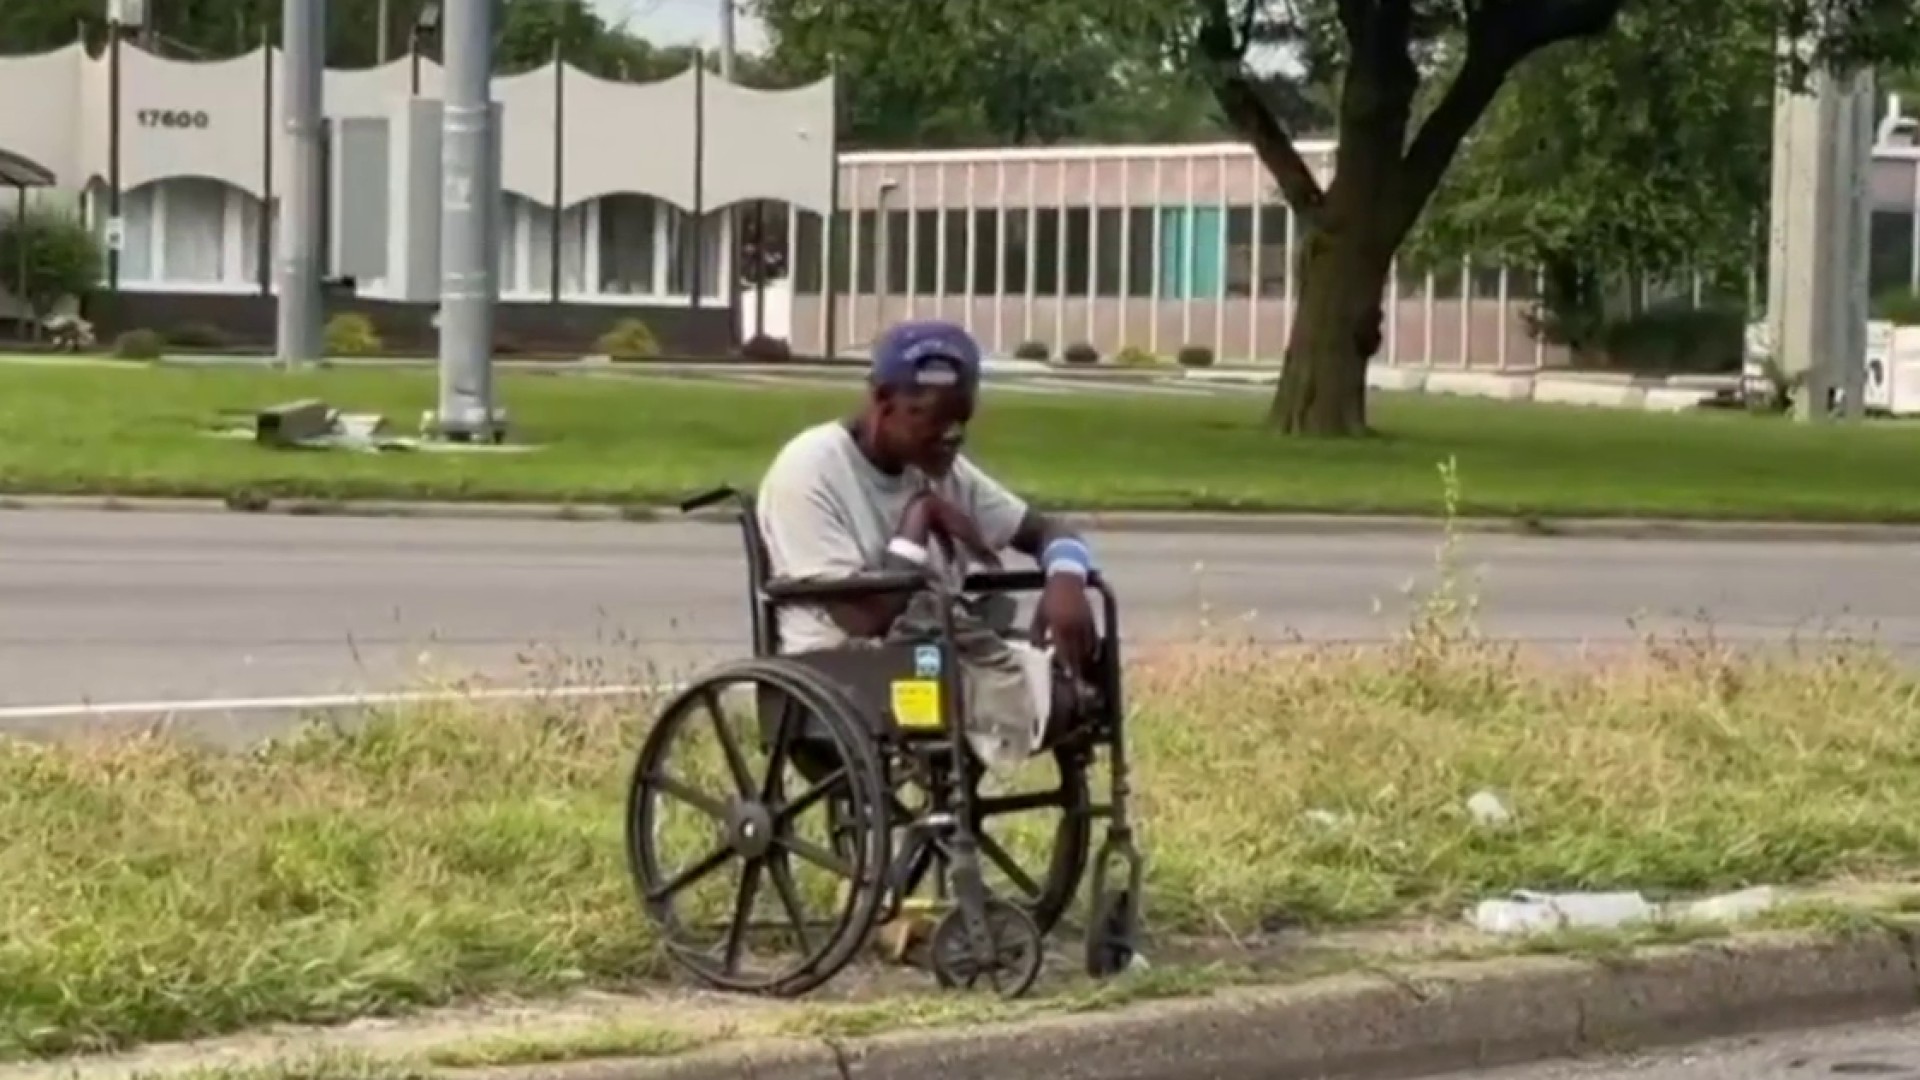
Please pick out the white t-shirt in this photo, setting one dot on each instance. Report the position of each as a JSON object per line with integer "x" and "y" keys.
{"x": 826, "y": 511}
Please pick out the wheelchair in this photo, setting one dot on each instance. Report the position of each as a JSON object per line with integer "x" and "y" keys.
{"x": 849, "y": 731}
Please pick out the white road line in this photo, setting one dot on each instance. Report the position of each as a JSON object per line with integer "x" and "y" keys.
{"x": 318, "y": 702}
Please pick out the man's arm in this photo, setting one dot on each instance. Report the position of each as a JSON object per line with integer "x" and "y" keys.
{"x": 1037, "y": 530}
{"x": 808, "y": 538}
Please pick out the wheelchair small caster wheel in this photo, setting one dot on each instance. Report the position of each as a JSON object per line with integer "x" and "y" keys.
{"x": 1014, "y": 957}
{"x": 1112, "y": 933}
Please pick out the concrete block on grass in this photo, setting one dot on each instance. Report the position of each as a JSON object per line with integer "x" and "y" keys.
{"x": 292, "y": 423}
{"x": 1608, "y": 394}
{"x": 1481, "y": 384}
{"x": 1387, "y": 377}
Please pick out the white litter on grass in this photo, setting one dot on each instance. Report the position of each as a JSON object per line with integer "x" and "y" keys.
{"x": 1487, "y": 809}
{"x": 1527, "y": 911}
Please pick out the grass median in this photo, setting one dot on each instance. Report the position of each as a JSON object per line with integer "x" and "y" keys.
{"x": 142, "y": 431}
{"x": 159, "y": 891}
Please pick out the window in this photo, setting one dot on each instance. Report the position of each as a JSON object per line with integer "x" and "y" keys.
{"x": 1108, "y": 267}
{"x": 1274, "y": 256}
{"x": 1892, "y": 256}
{"x": 805, "y": 264}
{"x": 840, "y": 252}
{"x": 986, "y": 252}
{"x": 866, "y": 251}
{"x": 1046, "y": 252}
{"x": 1140, "y": 256}
{"x": 626, "y": 245}
{"x": 895, "y": 227}
{"x": 1079, "y": 252}
{"x": 926, "y": 252}
{"x": 1239, "y": 254}
{"x": 1018, "y": 224}
{"x": 953, "y": 268}
{"x": 194, "y": 229}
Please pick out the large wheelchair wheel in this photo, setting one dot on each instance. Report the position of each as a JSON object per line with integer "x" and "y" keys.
{"x": 755, "y": 826}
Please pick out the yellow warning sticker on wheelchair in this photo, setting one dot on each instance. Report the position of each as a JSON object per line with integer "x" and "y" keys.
{"x": 916, "y": 704}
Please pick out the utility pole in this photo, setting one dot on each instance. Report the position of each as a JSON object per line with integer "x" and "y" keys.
{"x": 1818, "y": 258}
{"x": 303, "y": 39}
{"x": 469, "y": 164}
{"x": 380, "y": 33}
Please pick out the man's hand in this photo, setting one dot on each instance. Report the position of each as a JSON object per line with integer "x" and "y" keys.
{"x": 1067, "y": 616}
{"x": 952, "y": 524}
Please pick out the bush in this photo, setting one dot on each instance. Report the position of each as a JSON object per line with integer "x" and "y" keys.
{"x": 1698, "y": 341}
{"x": 1033, "y": 350}
{"x": 1134, "y": 356}
{"x": 139, "y": 345}
{"x": 351, "y": 333}
{"x": 64, "y": 259}
{"x": 767, "y": 349}
{"x": 630, "y": 339}
{"x": 199, "y": 335}
{"x": 1899, "y": 307}
{"x": 1080, "y": 353}
{"x": 1195, "y": 356}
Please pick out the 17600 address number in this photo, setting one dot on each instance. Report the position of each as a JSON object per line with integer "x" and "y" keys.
{"x": 172, "y": 118}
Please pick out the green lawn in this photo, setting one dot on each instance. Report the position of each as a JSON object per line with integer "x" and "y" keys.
{"x": 140, "y": 431}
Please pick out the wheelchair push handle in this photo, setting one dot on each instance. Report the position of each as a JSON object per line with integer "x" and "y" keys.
{"x": 705, "y": 499}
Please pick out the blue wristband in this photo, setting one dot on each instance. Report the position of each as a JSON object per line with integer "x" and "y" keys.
{"x": 1067, "y": 556}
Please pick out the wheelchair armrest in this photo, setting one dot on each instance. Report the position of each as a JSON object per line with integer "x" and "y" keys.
{"x": 852, "y": 587}
{"x": 1010, "y": 581}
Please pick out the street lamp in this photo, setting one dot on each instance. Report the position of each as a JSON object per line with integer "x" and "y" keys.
{"x": 426, "y": 23}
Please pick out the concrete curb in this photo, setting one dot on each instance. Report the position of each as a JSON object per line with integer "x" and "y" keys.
{"x": 1428, "y": 1020}
{"x": 1213, "y": 523}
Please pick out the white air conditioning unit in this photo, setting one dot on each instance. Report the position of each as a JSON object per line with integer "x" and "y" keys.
{"x": 127, "y": 12}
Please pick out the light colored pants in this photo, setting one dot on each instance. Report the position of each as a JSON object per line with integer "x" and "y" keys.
{"x": 1008, "y": 685}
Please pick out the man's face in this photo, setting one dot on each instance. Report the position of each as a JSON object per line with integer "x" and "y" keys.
{"x": 925, "y": 427}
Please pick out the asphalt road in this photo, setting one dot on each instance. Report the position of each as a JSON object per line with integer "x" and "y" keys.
{"x": 105, "y": 607}
{"x": 1889, "y": 1050}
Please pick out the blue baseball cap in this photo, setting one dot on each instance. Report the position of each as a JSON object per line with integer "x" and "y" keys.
{"x": 928, "y": 352}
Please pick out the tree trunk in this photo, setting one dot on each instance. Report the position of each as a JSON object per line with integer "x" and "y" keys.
{"x": 1336, "y": 332}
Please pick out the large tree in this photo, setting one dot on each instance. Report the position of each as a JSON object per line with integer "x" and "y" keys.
{"x": 1643, "y": 156}
{"x": 1415, "y": 78}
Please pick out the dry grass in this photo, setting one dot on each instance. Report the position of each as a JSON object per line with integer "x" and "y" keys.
{"x": 155, "y": 890}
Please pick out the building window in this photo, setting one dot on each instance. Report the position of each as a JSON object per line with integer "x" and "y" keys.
{"x": 626, "y": 238}
{"x": 895, "y": 227}
{"x": 926, "y": 252}
{"x": 1108, "y": 269}
{"x": 866, "y": 251}
{"x": 1892, "y": 256}
{"x": 986, "y": 253}
{"x": 953, "y": 266}
{"x": 1274, "y": 256}
{"x": 1239, "y": 254}
{"x": 1079, "y": 241}
{"x": 1014, "y": 274}
{"x": 1140, "y": 257}
{"x": 1046, "y": 252}
{"x": 806, "y": 253}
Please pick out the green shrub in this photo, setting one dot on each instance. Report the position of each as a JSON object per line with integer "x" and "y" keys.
{"x": 139, "y": 345}
{"x": 1135, "y": 357}
{"x": 1080, "y": 353}
{"x": 1898, "y": 306}
{"x": 767, "y": 349}
{"x": 1032, "y": 350}
{"x": 351, "y": 333}
{"x": 630, "y": 339}
{"x": 199, "y": 335}
{"x": 1195, "y": 356}
{"x": 63, "y": 259}
{"x": 1683, "y": 340}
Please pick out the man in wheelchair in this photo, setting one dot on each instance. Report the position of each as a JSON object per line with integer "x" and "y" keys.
{"x": 888, "y": 488}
